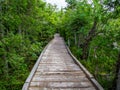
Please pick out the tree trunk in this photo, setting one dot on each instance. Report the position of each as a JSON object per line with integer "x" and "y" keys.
{"x": 19, "y": 30}
{"x": 118, "y": 73}
{"x": 88, "y": 39}
{"x": 85, "y": 51}
{"x": 75, "y": 38}
{"x": 6, "y": 69}
{"x": 68, "y": 42}
{"x": 78, "y": 41}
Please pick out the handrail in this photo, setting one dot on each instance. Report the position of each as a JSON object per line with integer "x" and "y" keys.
{"x": 90, "y": 76}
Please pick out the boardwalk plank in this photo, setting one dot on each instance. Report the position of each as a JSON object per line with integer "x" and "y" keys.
{"x": 61, "y": 84}
{"x": 38, "y": 88}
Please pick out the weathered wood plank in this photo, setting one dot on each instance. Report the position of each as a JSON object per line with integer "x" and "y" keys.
{"x": 61, "y": 84}
{"x": 60, "y": 79}
{"x": 40, "y": 88}
{"x": 60, "y": 73}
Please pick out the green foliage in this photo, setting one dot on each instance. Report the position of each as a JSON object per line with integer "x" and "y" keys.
{"x": 77, "y": 51}
{"x": 25, "y": 28}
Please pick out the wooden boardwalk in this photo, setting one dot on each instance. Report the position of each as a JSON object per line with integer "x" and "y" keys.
{"x": 58, "y": 69}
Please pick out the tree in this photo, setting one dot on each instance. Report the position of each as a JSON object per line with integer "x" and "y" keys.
{"x": 26, "y": 26}
{"x": 94, "y": 26}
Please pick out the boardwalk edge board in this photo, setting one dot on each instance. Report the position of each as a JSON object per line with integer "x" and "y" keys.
{"x": 28, "y": 80}
{"x": 90, "y": 76}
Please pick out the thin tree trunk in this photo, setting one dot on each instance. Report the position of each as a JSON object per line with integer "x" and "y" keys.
{"x": 68, "y": 42}
{"x": 75, "y": 37}
{"x": 118, "y": 73}
{"x": 78, "y": 41}
{"x": 2, "y": 35}
{"x": 19, "y": 30}
{"x": 6, "y": 70}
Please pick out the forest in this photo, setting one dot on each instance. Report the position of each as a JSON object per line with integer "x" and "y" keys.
{"x": 90, "y": 29}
